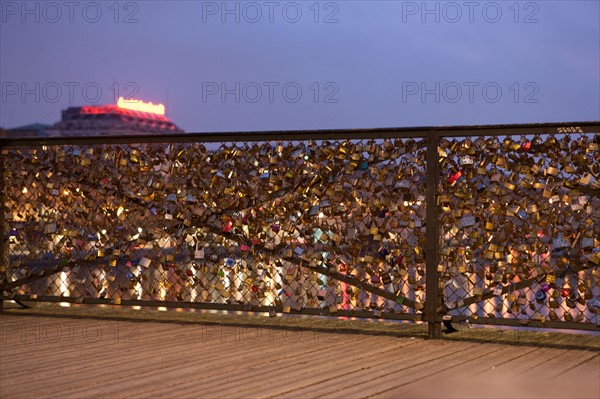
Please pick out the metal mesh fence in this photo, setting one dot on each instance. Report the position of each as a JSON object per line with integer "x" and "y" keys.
{"x": 312, "y": 226}
{"x": 520, "y": 219}
{"x": 247, "y": 223}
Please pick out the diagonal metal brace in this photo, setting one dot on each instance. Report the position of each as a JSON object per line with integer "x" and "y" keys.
{"x": 362, "y": 285}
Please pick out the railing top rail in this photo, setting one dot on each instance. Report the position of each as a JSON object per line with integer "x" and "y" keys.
{"x": 331, "y": 134}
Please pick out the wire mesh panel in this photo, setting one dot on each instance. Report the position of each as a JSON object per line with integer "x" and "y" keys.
{"x": 332, "y": 226}
{"x": 520, "y": 227}
{"x": 294, "y": 225}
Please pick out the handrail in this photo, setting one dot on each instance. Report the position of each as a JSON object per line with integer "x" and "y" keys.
{"x": 321, "y": 134}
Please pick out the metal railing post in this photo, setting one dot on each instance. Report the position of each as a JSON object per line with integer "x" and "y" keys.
{"x": 432, "y": 237}
{"x": 3, "y": 229}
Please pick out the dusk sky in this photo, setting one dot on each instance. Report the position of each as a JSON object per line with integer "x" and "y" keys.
{"x": 250, "y": 66}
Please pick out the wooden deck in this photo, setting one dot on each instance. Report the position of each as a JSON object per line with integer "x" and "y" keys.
{"x": 87, "y": 358}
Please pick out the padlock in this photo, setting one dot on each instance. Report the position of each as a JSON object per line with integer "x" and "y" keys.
{"x": 568, "y": 316}
{"x": 540, "y": 295}
{"x": 544, "y": 287}
{"x": 386, "y": 278}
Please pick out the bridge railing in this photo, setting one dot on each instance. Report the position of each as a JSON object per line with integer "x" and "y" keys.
{"x": 491, "y": 224}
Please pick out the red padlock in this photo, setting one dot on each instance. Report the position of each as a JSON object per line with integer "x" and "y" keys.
{"x": 452, "y": 179}
{"x": 228, "y": 226}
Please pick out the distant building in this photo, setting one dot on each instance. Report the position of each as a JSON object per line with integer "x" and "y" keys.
{"x": 127, "y": 117}
{"x": 33, "y": 130}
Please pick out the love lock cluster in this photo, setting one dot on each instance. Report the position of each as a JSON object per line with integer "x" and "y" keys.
{"x": 521, "y": 227}
{"x": 291, "y": 224}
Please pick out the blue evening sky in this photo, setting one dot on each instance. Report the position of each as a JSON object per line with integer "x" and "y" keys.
{"x": 281, "y": 65}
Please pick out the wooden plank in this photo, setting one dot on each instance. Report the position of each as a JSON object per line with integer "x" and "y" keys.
{"x": 90, "y": 367}
{"x": 354, "y": 375}
{"x": 556, "y": 365}
{"x": 254, "y": 381}
{"x": 398, "y": 375}
{"x": 532, "y": 379}
{"x": 523, "y": 363}
{"x": 170, "y": 359}
{"x": 122, "y": 367}
{"x": 467, "y": 373}
{"x": 136, "y": 352}
{"x": 79, "y": 333}
{"x": 589, "y": 368}
{"x": 45, "y": 351}
{"x": 222, "y": 354}
{"x": 222, "y": 371}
